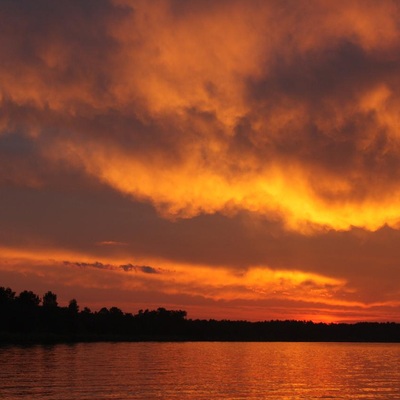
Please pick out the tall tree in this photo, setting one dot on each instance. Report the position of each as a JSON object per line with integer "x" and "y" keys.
{"x": 28, "y": 299}
{"x": 73, "y": 306}
{"x": 50, "y": 300}
{"x": 7, "y": 296}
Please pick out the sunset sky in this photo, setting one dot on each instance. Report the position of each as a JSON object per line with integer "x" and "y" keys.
{"x": 235, "y": 159}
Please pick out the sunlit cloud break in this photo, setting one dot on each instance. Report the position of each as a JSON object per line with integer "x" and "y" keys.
{"x": 286, "y": 122}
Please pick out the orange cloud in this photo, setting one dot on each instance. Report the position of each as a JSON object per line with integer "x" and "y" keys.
{"x": 286, "y": 113}
{"x": 225, "y": 94}
{"x": 217, "y": 284}
{"x": 253, "y": 293}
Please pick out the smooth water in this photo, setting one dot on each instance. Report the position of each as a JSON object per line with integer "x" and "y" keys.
{"x": 201, "y": 371}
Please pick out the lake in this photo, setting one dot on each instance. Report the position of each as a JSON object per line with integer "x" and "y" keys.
{"x": 201, "y": 370}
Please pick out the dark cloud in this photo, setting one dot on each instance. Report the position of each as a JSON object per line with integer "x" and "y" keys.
{"x": 60, "y": 41}
{"x": 327, "y": 83}
{"x": 96, "y": 264}
{"x": 125, "y": 267}
{"x": 141, "y": 268}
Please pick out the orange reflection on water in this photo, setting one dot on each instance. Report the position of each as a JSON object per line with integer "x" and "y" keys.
{"x": 203, "y": 370}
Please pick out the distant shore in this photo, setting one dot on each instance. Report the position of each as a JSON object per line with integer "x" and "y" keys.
{"x": 218, "y": 331}
{"x": 29, "y": 319}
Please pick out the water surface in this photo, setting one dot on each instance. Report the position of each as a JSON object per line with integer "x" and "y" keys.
{"x": 201, "y": 371}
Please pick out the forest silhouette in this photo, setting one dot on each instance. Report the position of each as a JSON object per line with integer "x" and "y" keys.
{"x": 27, "y": 318}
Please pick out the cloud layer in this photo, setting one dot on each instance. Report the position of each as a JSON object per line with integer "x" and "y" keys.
{"x": 233, "y": 134}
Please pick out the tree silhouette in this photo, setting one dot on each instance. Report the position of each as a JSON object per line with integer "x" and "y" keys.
{"x": 7, "y": 296}
{"x": 73, "y": 306}
{"x": 50, "y": 300}
{"x": 104, "y": 311}
{"x": 116, "y": 311}
{"x": 26, "y": 312}
{"x": 7, "y": 301}
{"x": 22, "y": 318}
{"x": 28, "y": 299}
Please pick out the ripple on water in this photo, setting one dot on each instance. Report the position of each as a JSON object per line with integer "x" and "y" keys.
{"x": 201, "y": 371}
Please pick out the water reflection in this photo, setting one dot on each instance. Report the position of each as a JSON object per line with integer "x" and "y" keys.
{"x": 201, "y": 371}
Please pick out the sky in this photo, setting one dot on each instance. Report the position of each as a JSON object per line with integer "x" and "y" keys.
{"x": 235, "y": 159}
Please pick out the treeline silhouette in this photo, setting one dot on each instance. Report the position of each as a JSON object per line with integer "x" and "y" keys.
{"x": 28, "y": 318}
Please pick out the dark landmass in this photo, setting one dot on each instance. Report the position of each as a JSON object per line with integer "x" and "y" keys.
{"x": 27, "y": 318}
